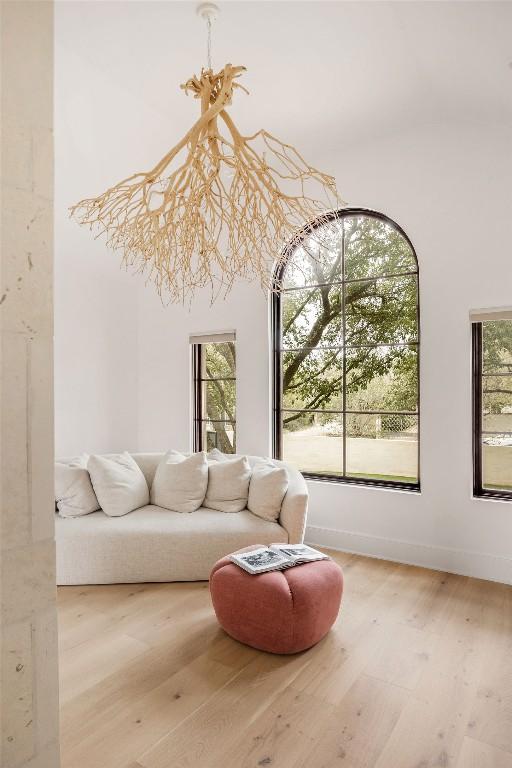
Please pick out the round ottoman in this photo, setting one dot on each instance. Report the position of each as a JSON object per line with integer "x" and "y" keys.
{"x": 279, "y": 611}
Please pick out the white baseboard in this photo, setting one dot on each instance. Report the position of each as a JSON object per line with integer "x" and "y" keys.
{"x": 477, "y": 564}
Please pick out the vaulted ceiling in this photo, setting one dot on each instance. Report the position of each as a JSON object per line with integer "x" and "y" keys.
{"x": 318, "y": 72}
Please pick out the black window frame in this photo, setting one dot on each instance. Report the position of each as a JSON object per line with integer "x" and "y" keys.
{"x": 479, "y": 491}
{"x": 276, "y": 338}
{"x": 197, "y": 406}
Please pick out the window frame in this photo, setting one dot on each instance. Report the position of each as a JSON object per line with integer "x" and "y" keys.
{"x": 197, "y": 396}
{"x": 276, "y": 367}
{"x": 479, "y": 492}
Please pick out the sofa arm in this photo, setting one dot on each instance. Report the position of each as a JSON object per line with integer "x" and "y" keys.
{"x": 295, "y": 506}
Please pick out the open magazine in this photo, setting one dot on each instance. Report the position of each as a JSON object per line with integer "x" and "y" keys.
{"x": 276, "y": 557}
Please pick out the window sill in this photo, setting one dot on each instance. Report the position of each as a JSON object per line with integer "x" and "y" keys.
{"x": 373, "y": 484}
{"x": 492, "y": 496}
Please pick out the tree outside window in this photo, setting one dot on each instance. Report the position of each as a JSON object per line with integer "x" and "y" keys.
{"x": 215, "y": 396}
{"x": 347, "y": 338}
{"x": 492, "y": 399}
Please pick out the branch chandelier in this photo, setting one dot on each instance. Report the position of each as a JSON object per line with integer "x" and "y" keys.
{"x": 218, "y": 206}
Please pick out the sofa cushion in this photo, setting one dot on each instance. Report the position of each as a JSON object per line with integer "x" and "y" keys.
{"x": 74, "y": 493}
{"x": 228, "y": 484}
{"x": 180, "y": 482}
{"x": 154, "y": 544}
{"x": 267, "y": 489}
{"x": 118, "y": 483}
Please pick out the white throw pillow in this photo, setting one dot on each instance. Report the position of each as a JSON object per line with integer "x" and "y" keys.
{"x": 180, "y": 482}
{"x": 267, "y": 490}
{"x": 74, "y": 493}
{"x": 118, "y": 483}
{"x": 216, "y": 455}
{"x": 228, "y": 485}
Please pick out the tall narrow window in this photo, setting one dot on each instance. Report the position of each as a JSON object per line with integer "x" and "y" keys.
{"x": 346, "y": 353}
{"x": 214, "y": 377}
{"x": 492, "y": 404}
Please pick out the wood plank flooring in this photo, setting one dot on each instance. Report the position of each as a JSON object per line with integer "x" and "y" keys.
{"x": 416, "y": 673}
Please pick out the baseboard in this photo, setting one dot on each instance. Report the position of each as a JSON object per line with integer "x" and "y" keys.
{"x": 477, "y": 564}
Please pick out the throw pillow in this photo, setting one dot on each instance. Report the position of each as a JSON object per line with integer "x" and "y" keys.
{"x": 267, "y": 490}
{"x": 74, "y": 493}
{"x": 180, "y": 482}
{"x": 216, "y": 455}
{"x": 118, "y": 483}
{"x": 228, "y": 485}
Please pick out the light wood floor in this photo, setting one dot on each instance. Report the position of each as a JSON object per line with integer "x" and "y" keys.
{"x": 416, "y": 673}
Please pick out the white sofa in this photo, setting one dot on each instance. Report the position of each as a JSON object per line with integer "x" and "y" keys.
{"x": 156, "y": 544}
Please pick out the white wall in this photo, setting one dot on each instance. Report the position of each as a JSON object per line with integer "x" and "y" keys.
{"x": 164, "y": 402}
{"x": 449, "y": 188}
{"x": 95, "y": 341}
{"x": 122, "y": 366}
{"x": 95, "y": 302}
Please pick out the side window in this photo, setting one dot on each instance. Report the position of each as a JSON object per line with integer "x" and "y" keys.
{"x": 214, "y": 379}
{"x": 492, "y": 406}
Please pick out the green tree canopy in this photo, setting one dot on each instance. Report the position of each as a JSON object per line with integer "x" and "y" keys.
{"x": 219, "y": 394}
{"x": 368, "y": 314}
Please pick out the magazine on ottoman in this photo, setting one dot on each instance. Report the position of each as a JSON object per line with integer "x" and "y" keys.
{"x": 276, "y": 557}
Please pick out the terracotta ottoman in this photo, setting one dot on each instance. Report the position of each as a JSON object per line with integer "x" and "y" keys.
{"x": 280, "y": 611}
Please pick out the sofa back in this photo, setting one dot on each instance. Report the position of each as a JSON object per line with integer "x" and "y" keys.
{"x": 148, "y": 462}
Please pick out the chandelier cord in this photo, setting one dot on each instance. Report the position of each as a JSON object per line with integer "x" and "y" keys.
{"x": 209, "y": 41}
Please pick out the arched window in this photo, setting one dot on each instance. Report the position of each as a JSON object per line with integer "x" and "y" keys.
{"x": 346, "y": 352}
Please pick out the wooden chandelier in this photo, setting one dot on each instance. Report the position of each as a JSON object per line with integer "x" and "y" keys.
{"x": 217, "y": 207}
